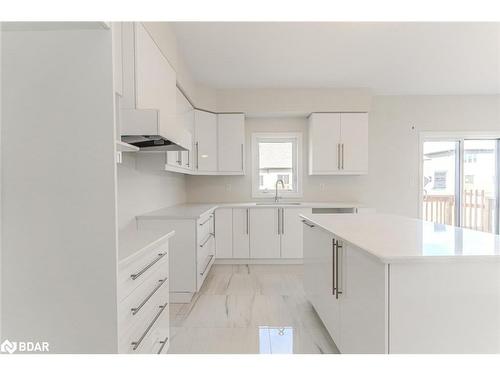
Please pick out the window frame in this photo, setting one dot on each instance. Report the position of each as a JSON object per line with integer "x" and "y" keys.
{"x": 459, "y": 137}
{"x": 256, "y": 139}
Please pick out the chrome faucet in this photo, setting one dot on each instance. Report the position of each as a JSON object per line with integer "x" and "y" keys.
{"x": 276, "y": 198}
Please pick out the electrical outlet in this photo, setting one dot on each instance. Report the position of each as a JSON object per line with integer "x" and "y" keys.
{"x": 322, "y": 187}
{"x": 228, "y": 187}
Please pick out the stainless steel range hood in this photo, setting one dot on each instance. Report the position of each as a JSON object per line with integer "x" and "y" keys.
{"x": 152, "y": 143}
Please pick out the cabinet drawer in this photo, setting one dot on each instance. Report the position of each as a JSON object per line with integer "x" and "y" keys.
{"x": 160, "y": 337}
{"x": 206, "y": 259}
{"x": 204, "y": 227}
{"x": 132, "y": 272}
{"x": 141, "y": 329}
{"x": 137, "y": 303}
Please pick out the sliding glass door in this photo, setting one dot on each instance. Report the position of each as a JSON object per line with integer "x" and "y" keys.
{"x": 461, "y": 179}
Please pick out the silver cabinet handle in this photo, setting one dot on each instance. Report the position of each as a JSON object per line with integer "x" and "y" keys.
{"x": 338, "y": 291}
{"x": 197, "y": 156}
{"x": 342, "y": 156}
{"x": 338, "y": 155}
{"x": 163, "y": 342}
{"x": 279, "y": 221}
{"x": 306, "y": 223}
{"x": 136, "y": 275}
{"x": 137, "y": 343}
{"x": 282, "y": 221}
{"x": 135, "y": 310}
{"x": 206, "y": 240}
{"x": 248, "y": 221}
{"x": 334, "y": 264}
{"x": 206, "y": 266}
{"x": 189, "y": 159}
{"x": 242, "y": 157}
{"x": 206, "y": 221}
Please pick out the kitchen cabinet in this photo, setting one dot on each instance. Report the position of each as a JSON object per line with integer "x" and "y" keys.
{"x": 155, "y": 83}
{"x": 116, "y": 34}
{"x": 205, "y": 141}
{"x": 241, "y": 233}
{"x": 318, "y": 277}
{"x": 231, "y": 142}
{"x": 264, "y": 233}
{"x": 291, "y": 232}
{"x": 224, "y": 232}
{"x": 338, "y": 143}
{"x": 347, "y": 287}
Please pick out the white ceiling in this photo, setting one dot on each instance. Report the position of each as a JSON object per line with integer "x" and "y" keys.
{"x": 389, "y": 58}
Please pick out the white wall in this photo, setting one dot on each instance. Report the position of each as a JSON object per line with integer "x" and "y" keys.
{"x": 144, "y": 186}
{"x": 392, "y": 184}
{"x": 58, "y": 190}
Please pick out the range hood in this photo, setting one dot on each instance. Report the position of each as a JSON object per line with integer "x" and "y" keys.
{"x": 140, "y": 128}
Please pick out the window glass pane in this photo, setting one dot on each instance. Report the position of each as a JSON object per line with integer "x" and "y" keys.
{"x": 478, "y": 196}
{"x": 439, "y": 181}
{"x": 276, "y": 162}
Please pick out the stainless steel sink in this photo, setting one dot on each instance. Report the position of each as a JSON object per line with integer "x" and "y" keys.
{"x": 278, "y": 204}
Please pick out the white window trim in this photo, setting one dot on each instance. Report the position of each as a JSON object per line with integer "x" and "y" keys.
{"x": 256, "y": 193}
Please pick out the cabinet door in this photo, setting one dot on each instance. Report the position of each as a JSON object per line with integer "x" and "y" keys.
{"x": 318, "y": 277}
{"x": 224, "y": 232}
{"x": 205, "y": 141}
{"x": 231, "y": 136}
{"x": 264, "y": 234}
{"x": 174, "y": 158}
{"x": 116, "y": 29}
{"x": 291, "y": 232}
{"x": 354, "y": 141}
{"x": 363, "y": 302}
{"x": 241, "y": 233}
{"x": 324, "y": 141}
{"x": 155, "y": 83}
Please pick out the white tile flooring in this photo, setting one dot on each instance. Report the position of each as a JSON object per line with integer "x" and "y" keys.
{"x": 249, "y": 309}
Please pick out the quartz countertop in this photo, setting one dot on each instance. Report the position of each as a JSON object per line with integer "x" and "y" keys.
{"x": 132, "y": 241}
{"x": 400, "y": 239}
{"x": 195, "y": 210}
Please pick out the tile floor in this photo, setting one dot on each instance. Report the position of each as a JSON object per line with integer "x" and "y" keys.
{"x": 249, "y": 309}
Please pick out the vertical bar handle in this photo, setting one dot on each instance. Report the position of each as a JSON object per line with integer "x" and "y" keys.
{"x": 338, "y": 155}
{"x": 197, "y": 156}
{"x": 242, "y": 157}
{"x": 338, "y": 291}
{"x": 342, "y": 156}
{"x": 334, "y": 265}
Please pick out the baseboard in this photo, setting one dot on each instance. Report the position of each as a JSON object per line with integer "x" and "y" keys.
{"x": 259, "y": 261}
{"x": 181, "y": 297}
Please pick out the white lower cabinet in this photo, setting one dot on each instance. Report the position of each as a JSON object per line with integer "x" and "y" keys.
{"x": 291, "y": 232}
{"x": 241, "y": 233}
{"x": 264, "y": 233}
{"x": 349, "y": 290}
{"x": 143, "y": 301}
{"x": 259, "y": 233}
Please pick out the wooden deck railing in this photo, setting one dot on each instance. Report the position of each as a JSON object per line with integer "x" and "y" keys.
{"x": 477, "y": 210}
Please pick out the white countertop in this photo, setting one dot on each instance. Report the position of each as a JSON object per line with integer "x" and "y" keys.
{"x": 195, "y": 210}
{"x": 400, "y": 239}
{"x": 130, "y": 242}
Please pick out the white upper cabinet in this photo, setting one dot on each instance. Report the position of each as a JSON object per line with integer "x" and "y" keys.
{"x": 338, "y": 143}
{"x": 354, "y": 138}
{"x": 205, "y": 142}
{"x": 231, "y": 142}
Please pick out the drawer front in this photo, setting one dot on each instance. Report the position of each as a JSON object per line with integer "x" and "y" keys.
{"x": 134, "y": 272}
{"x": 206, "y": 257}
{"x": 148, "y": 320}
{"x": 204, "y": 227}
{"x": 160, "y": 337}
{"x": 137, "y": 303}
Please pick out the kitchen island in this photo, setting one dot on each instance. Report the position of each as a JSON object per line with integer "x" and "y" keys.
{"x": 390, "y": 284}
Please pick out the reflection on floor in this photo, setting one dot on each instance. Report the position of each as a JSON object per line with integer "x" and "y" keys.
{"x": 249, "y": 309}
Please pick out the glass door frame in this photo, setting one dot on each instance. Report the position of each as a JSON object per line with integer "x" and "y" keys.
{"x": 459, "y": 137}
